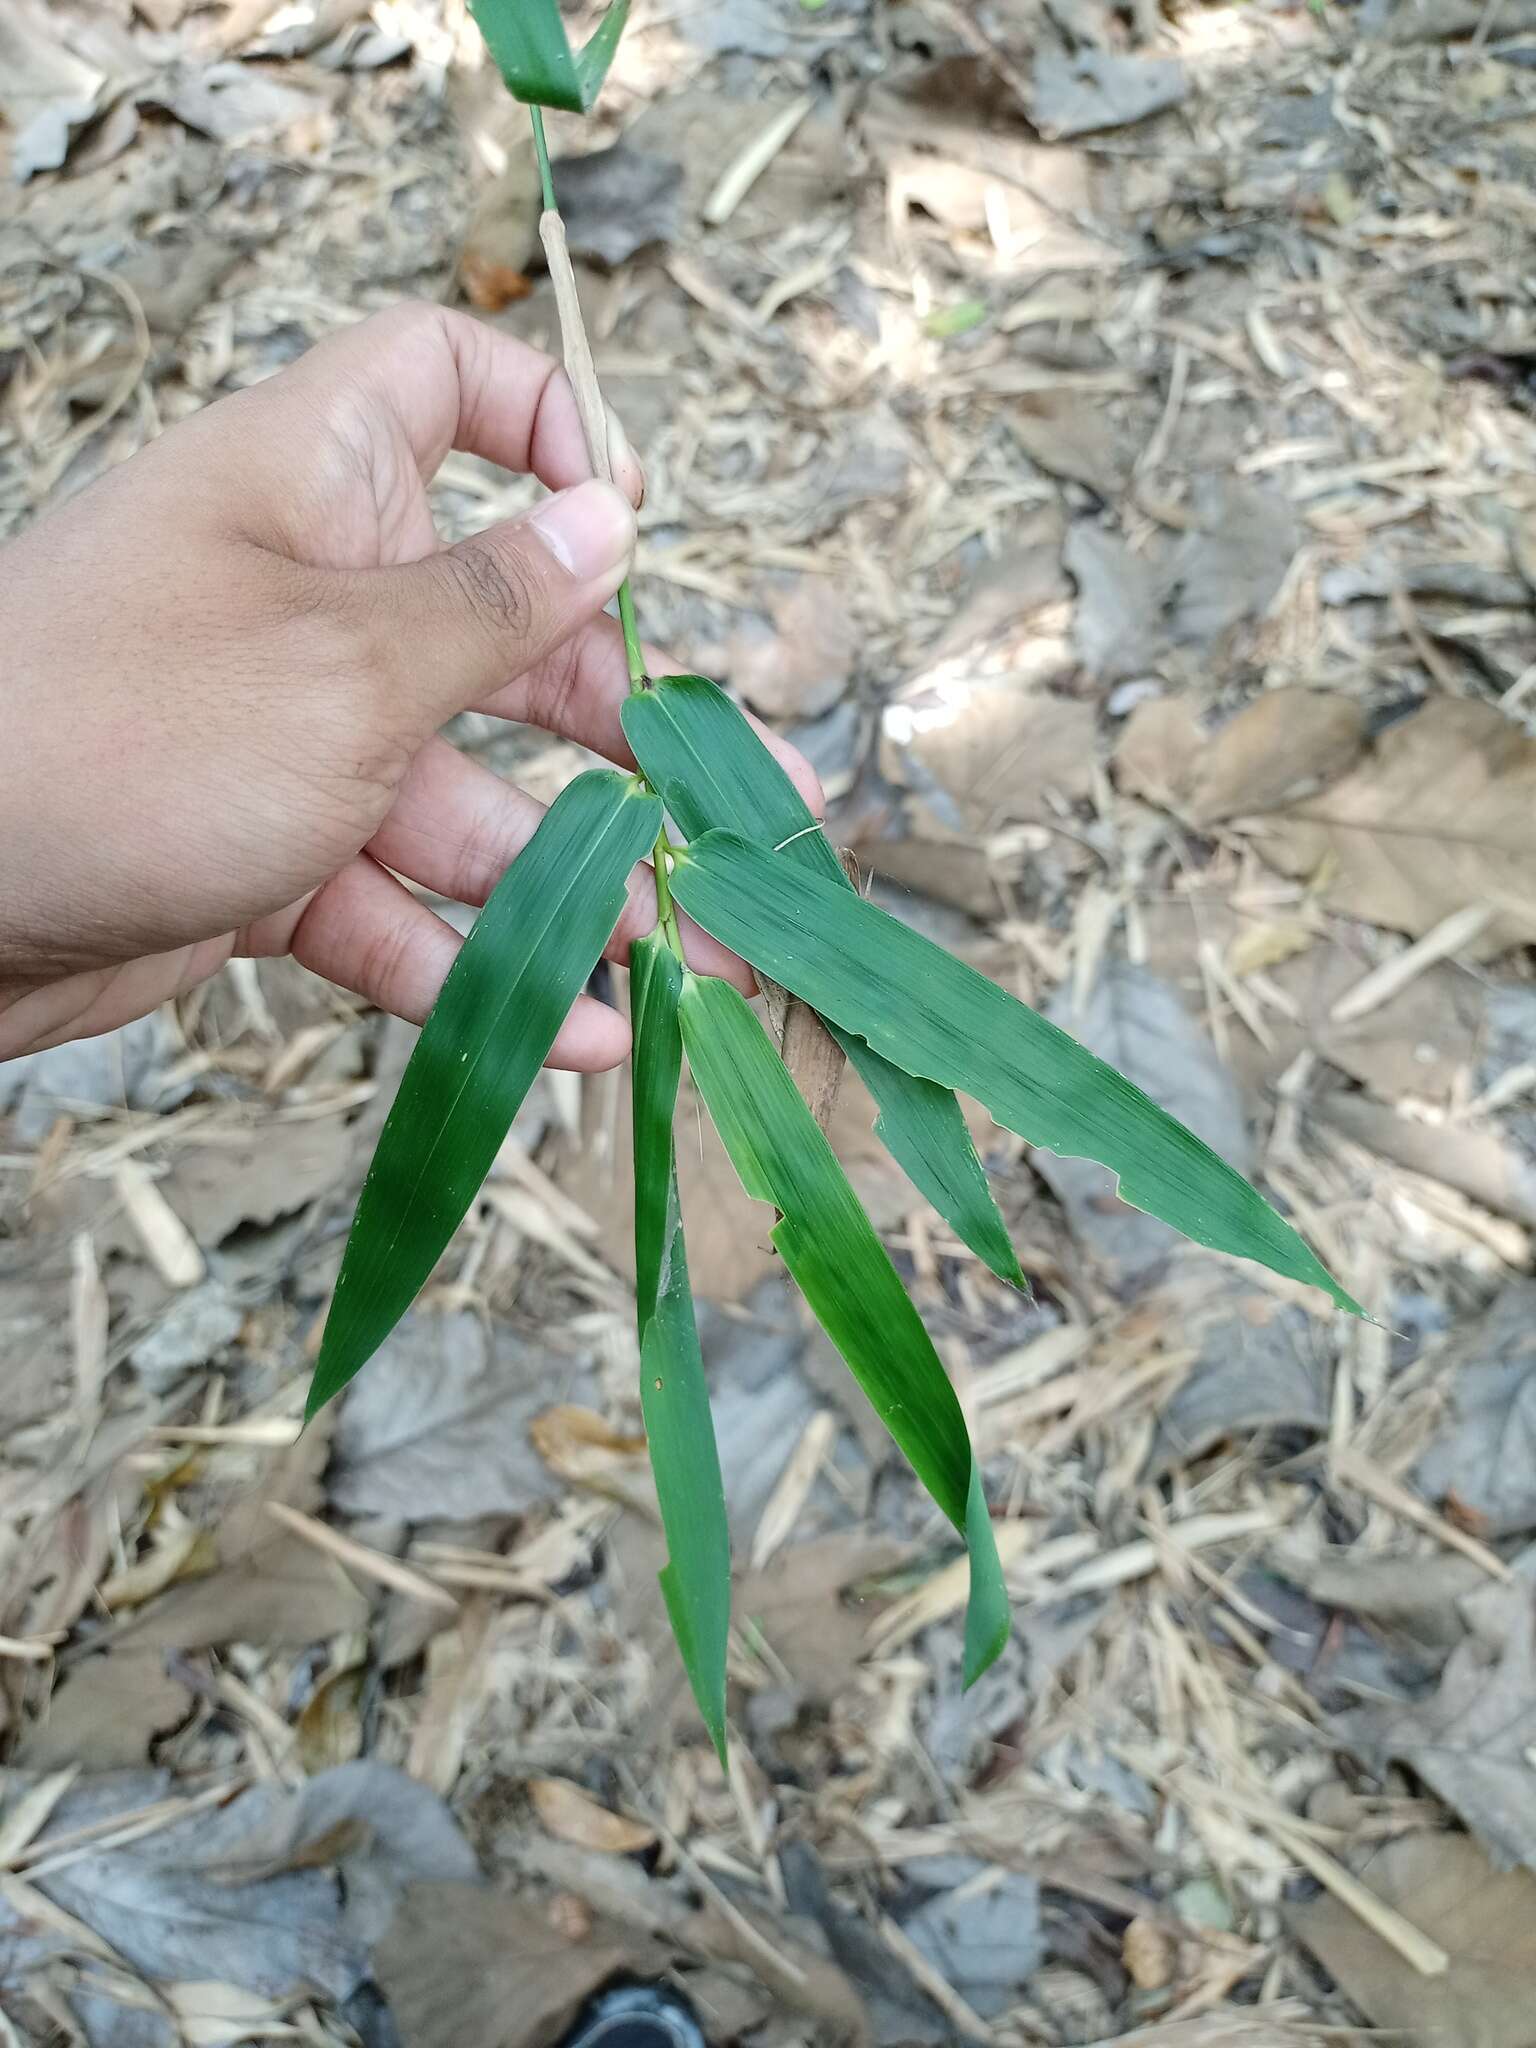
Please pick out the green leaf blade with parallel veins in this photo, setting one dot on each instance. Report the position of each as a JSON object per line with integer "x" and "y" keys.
{"x": 674, "y": 1395}
{"x": 712, "y": 770}
{"x": 923, "y": 1128}
{"x": 930, "y": 1013}
{"x": 837, "y": 1260}
{"x": 529, "y": 46}
{"x": 508, "y": 992}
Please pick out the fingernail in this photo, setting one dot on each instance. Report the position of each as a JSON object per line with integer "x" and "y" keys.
{"x": 622, "y": 458}
{"x": 589, "y": 530}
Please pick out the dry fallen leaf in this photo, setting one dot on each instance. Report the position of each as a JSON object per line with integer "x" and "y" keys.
{"x": 1139, "y": 1025}
{"x": 1090, "y": 90}
{"x": 218, "y": 1188}
{"x": 459, "y": 1964}
{"x": 1285, "y": 744}
{"x": 1440, "y": 814}
{"x": 1486, "y": 1921}
{"x": 241, "y": 1892}
{"x": 330, "y": 1729}
{"x": 1416, "y": 1595}
{"x": 728, "y": 1244}
{"x": 1472, "y": 1741}
{"x": 801, "y": 1607}
{"x": 1258, "y": 1366}
{"x": 107, "y": 1713}
{"x": 1157, "y": 752}
{"x": 1233, "y": 2026}
{"x": 1485, "y": 1454}
{"x": 571, "y": 1814}
{"x": 803, "y": 666}
{"x": 1067, "y": 439}
{"x": 1150, "y": 1954}
{"x": 438, "y": 1424}
{"x": 1117, "y": 628}
{"x": 268, "y": 1586}
{"x": 1232, "y": 561}
{"x": 618, "y": 201}
{"x": 1268, "y": 944}
{"x": 980, "y": 749}
{"x": 1282, "y": 746}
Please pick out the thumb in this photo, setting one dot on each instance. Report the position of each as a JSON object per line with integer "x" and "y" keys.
{"x": 469, "y": 619}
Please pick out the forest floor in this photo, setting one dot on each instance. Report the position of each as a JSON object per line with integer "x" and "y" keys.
{"x": 1106, "y": 442}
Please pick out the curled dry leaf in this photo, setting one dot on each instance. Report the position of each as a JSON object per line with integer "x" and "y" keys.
{"x": 571, "y": 1814}
{"x": 579, "y": 1446}
{"x": 1150, "y": 1954}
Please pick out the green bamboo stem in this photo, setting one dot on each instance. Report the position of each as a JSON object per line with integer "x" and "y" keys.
{"x": 638, "y": 680}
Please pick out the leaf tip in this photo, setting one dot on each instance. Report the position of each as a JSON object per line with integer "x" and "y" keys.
{"x": 314, "y": 1401}
{"x": 981, "y": 1656}
{"x": 717, "y": 1737}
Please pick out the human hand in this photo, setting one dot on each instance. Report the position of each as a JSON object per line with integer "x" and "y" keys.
{"x": 223, "y": 666}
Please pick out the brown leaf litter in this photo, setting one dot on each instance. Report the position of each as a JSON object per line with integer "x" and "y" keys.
{"x": 1105, "y": 442}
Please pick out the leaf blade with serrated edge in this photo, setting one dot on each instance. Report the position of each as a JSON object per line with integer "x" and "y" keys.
{"x": 508, "y": 992}
{"x": 674, "y": 1395}
{"x": 712, "y": 769}
{"x": 529, "y": 46}
{"x": 924, "y": 1010}
{"x": 838, "y": 1262}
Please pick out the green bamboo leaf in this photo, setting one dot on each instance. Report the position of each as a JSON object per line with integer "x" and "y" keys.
{"x": 655, "y": 979}
{"x": 712, "y": 769}
{"x": 530, "y": 48}
{"x": 841, "y": 1267}
{"x": 923, "y": 1128}
{"x": 674, "y": 1395}
{"x": 928, "y": 1012}
{"x": 506, "y": 995}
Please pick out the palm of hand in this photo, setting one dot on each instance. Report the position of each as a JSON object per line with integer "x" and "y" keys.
{"x": 269, "y": 678}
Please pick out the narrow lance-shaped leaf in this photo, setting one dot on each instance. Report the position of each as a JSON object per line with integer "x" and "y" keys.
{"x": 712, "y": 769}
{"x": 928, "y": 1012}
{"x": 491, "y": 1028}
{"x": 830, "y": 1246}
{"x": 529, "y": 46}
{"x": 674, "y": 1396}
{"x": 923, "y": 1128}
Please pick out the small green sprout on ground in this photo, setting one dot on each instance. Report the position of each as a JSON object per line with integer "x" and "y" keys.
{"x": 751, "y": 865}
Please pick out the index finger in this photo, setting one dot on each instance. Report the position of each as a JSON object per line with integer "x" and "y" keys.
{"x": 451, "y": 381}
